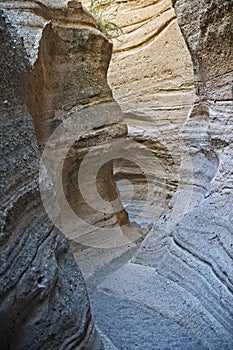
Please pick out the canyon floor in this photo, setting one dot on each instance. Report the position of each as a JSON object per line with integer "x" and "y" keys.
{"x": 130, "y": 320}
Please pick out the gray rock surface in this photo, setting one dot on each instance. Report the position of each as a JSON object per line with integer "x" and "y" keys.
{"x": 183, "y": 270}
{"x": 43, "y": 298}
{"x": 124, "y": 302}
{"x": 134, "y": 326}
{"x": 193, "y": 249}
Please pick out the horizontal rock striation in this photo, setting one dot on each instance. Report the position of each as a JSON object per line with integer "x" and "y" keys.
{"x": 151, "y": 52}
{"x": 152, "y": 79}
{"x": 191, "y": 246}
{"x": 71, "y": 103}
{"x": 43, "y": 299}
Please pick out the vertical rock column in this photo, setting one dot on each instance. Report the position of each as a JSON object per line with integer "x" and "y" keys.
{"x": 69, "y": 59}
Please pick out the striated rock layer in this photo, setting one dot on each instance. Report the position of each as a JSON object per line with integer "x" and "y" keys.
{"x": 43, "y": 299}
{"x": 152, "y": 79}
{"x": 151, "y": 53}
{"x": 192, "y": 245}
{"x": 68, "y": 88}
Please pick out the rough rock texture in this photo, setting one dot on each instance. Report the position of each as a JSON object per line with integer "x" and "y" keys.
{"x": 43, "y": 299}
{"x": 67, "y": 84}
{"x": 192, "y": 246}
{"x": 151, "y": 77}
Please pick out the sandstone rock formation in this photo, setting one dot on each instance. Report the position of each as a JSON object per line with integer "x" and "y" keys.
{"x": 67, "y": 86}
{"x": 183, "y": 270}
{"x": 151, "y": 52}
{"x": 193, "y": 249}
{"x": 43, "y": 299}
{"x": 151, "y": 77}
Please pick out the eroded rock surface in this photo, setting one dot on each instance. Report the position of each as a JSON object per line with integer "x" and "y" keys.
{"x": 152, "y": 79}
{"x": 68, "y": 87}
{"x": 191, "y": 247}
{"x": 183, "y": 270}
{"x": 43, "y": 299}
{"x": 151, "y": 53}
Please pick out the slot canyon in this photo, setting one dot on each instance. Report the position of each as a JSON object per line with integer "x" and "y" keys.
{"x": 116, "y": 175}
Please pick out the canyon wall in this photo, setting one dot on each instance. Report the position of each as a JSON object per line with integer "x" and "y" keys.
{"x": 72, "y": 108}
{"x": 183, "y": 269}
{"x": 151, "y": 77}
{"x": 191, "y": 246}
{"x": 151, "y": 68}
{"x": 43, "y": 298}
{"x": 53, "y": 68}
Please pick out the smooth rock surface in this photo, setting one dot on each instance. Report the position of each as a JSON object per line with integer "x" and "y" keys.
{"x": 153, "y": 332}
{"x": 123, "y": 298}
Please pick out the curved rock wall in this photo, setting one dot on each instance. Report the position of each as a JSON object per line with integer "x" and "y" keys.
{"x": 151, "y": 53}
{"x": 151, "y": 77}
{"x": 191, "y": 246}
{"x": 43, "y": 299}
{"x": 68, "y": 85}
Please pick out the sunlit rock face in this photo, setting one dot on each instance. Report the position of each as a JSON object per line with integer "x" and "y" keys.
{"x": 69, "y": 98}
{"x": 192, "y": 245}
{"x": 151, "y": 68}
{"x": 152, "y": 79}
{"x": 43, "y": 299}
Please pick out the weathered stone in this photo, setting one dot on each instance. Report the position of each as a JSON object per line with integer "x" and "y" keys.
{"x": 151, "y": 52}
{"x": 67, "y": 84}
{"x": 151, "y": 77}
{"x": 43, "y": 299}
{"x": 191, "y": 246}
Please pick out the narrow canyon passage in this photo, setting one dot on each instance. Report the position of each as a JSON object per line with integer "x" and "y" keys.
{"x": 151, "y": 78}
{"x": 117, "y": 187}
{"x": 154, "y": 294}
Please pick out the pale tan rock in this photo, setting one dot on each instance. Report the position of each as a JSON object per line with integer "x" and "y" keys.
{"x": 151, "y": 67}
{"x": 69, "y": 59}
{"x": 152, "y": 79}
